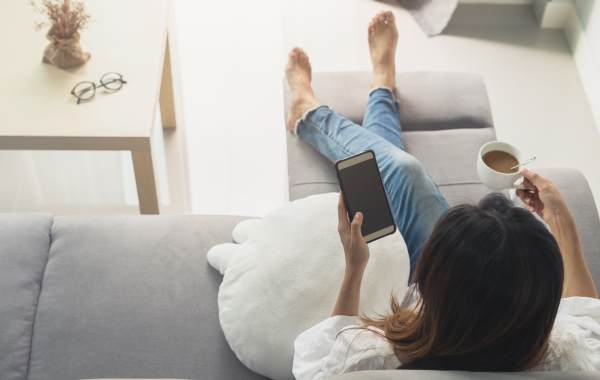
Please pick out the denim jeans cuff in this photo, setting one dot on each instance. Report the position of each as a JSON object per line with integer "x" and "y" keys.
{"x": 306, "y": 115}
{"x": 386, "y": 89}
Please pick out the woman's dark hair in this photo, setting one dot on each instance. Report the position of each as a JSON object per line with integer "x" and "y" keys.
{"x": 490, "y": 278}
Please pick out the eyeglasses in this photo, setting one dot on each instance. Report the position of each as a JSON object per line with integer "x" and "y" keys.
{"x": 85, "y": 91}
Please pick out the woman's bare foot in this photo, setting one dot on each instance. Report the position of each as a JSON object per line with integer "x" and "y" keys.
{"x": 298, "y": 75}
{"x": 383, "y": 39}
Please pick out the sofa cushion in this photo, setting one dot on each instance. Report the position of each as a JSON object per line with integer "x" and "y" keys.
{"x": 448, "y": 155}
{"x": 132, "y": 296}
{"x": 24, "y": 243}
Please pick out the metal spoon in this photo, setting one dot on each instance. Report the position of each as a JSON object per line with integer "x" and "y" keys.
{"x": 524, "y": 163}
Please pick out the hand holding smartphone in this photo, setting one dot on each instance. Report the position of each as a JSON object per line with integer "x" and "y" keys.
{"x": 362, "y": 190}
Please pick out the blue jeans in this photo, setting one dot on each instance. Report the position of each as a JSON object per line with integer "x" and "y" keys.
{"x": 415, "y": 199}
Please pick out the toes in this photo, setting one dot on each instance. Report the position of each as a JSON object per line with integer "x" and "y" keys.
{"x": 297, "y": 54}
{"x": 376, "y": 19}
{"x": 389, "y": 16}
{"x": 302, "y": 56}
{"x": 381, "y": 19}
{"x": 373, "y": 28}
{"x": 385, "y": 19}
{"x": 294, "y": 52}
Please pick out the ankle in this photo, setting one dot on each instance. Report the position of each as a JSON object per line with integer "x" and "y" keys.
{"x": 303, "y": 94}
{"x": 306, "y": 104}
{"x": 300, "y": 106}
{"x": 386, "y": 80}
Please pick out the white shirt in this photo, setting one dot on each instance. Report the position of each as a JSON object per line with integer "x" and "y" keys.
{"x": 338, "y": 344}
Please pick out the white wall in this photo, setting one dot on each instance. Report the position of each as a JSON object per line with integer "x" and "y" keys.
{"x": 231, "y": 60}
{"x": 589, "y": 13}
{"x": 582, "y": 29}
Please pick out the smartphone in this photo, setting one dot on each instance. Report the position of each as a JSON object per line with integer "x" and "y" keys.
{"x": 362, "y": 189}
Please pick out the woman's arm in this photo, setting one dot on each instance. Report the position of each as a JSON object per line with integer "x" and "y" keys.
{"x": 356, "y": 252}
{"x": 544, "y": 198}
{"x": 348, "y": 299}
{"x": 578, "y": 279}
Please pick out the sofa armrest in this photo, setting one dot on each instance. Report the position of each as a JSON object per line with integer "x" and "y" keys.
{"x": 576, "y": 191}
{"x": 463, "y": 375}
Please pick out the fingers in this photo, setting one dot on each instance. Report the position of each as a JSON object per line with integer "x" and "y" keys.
{"x": 532, "y": 178}
{"x": 530, "y": 200}
{"x": 356, "y": 225}
{"x": 527, "y": 185}
{"x": 544, "y": 189}
{"x": 522, "y": 194}
{"x": 527, "y": 199}
{"x": 342, "y": 214}
{"x": 526, "y": 196}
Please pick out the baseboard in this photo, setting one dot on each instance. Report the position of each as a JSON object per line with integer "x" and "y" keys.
{"x": 563, "y": 14}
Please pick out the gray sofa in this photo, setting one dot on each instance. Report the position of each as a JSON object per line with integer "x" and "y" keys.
{"x": 133, "y": 296}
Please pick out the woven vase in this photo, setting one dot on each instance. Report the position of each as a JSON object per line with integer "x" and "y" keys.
{"x": 65, "y": 53}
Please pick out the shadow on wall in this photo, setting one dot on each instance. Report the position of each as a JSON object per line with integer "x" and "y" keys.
{"x": 500, "y": 23}
{"x": 588, "y": 11}
{"x": 503, "y": 15}
{"x": 407, "y": 4}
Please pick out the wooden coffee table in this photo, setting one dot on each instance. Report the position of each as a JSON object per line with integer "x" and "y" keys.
{"x": 39, "y": 113}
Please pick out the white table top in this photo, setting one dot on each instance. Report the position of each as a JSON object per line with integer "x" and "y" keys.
{"x": 35, "y": 100}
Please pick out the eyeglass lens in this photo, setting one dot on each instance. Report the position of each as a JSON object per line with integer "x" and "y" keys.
{"x": 112, "y": 81}
{"x": 84, "y": 90}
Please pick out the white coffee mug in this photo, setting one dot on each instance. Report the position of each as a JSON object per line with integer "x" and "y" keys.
{"x": 494, "y": 179}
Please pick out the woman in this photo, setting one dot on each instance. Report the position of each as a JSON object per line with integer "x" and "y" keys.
{"x": 493, "y": 288}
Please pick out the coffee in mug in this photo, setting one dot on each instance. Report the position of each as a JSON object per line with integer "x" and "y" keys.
{"x": 501, "y": 161}
{"x": 495, "y": 164}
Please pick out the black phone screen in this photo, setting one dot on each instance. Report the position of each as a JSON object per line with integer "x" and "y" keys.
{"x": 363, "y": 191}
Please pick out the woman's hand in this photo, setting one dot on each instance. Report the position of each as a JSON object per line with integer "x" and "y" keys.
{"x": 541, "y": 196}
{"x": 355, "y": 247}
{"x": 357, "y": 256}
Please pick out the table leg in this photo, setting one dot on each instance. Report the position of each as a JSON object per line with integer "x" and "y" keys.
{"x": 145, "y": 181}
{"x": 167, "y": 100}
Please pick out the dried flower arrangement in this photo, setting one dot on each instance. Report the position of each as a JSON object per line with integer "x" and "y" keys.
{"x": 66, "y": 19}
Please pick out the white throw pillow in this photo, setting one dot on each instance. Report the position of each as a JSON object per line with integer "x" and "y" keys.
{"x": 283, "y": 277}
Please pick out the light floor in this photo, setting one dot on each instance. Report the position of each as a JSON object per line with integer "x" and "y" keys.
{"x": 231, "y": 57}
